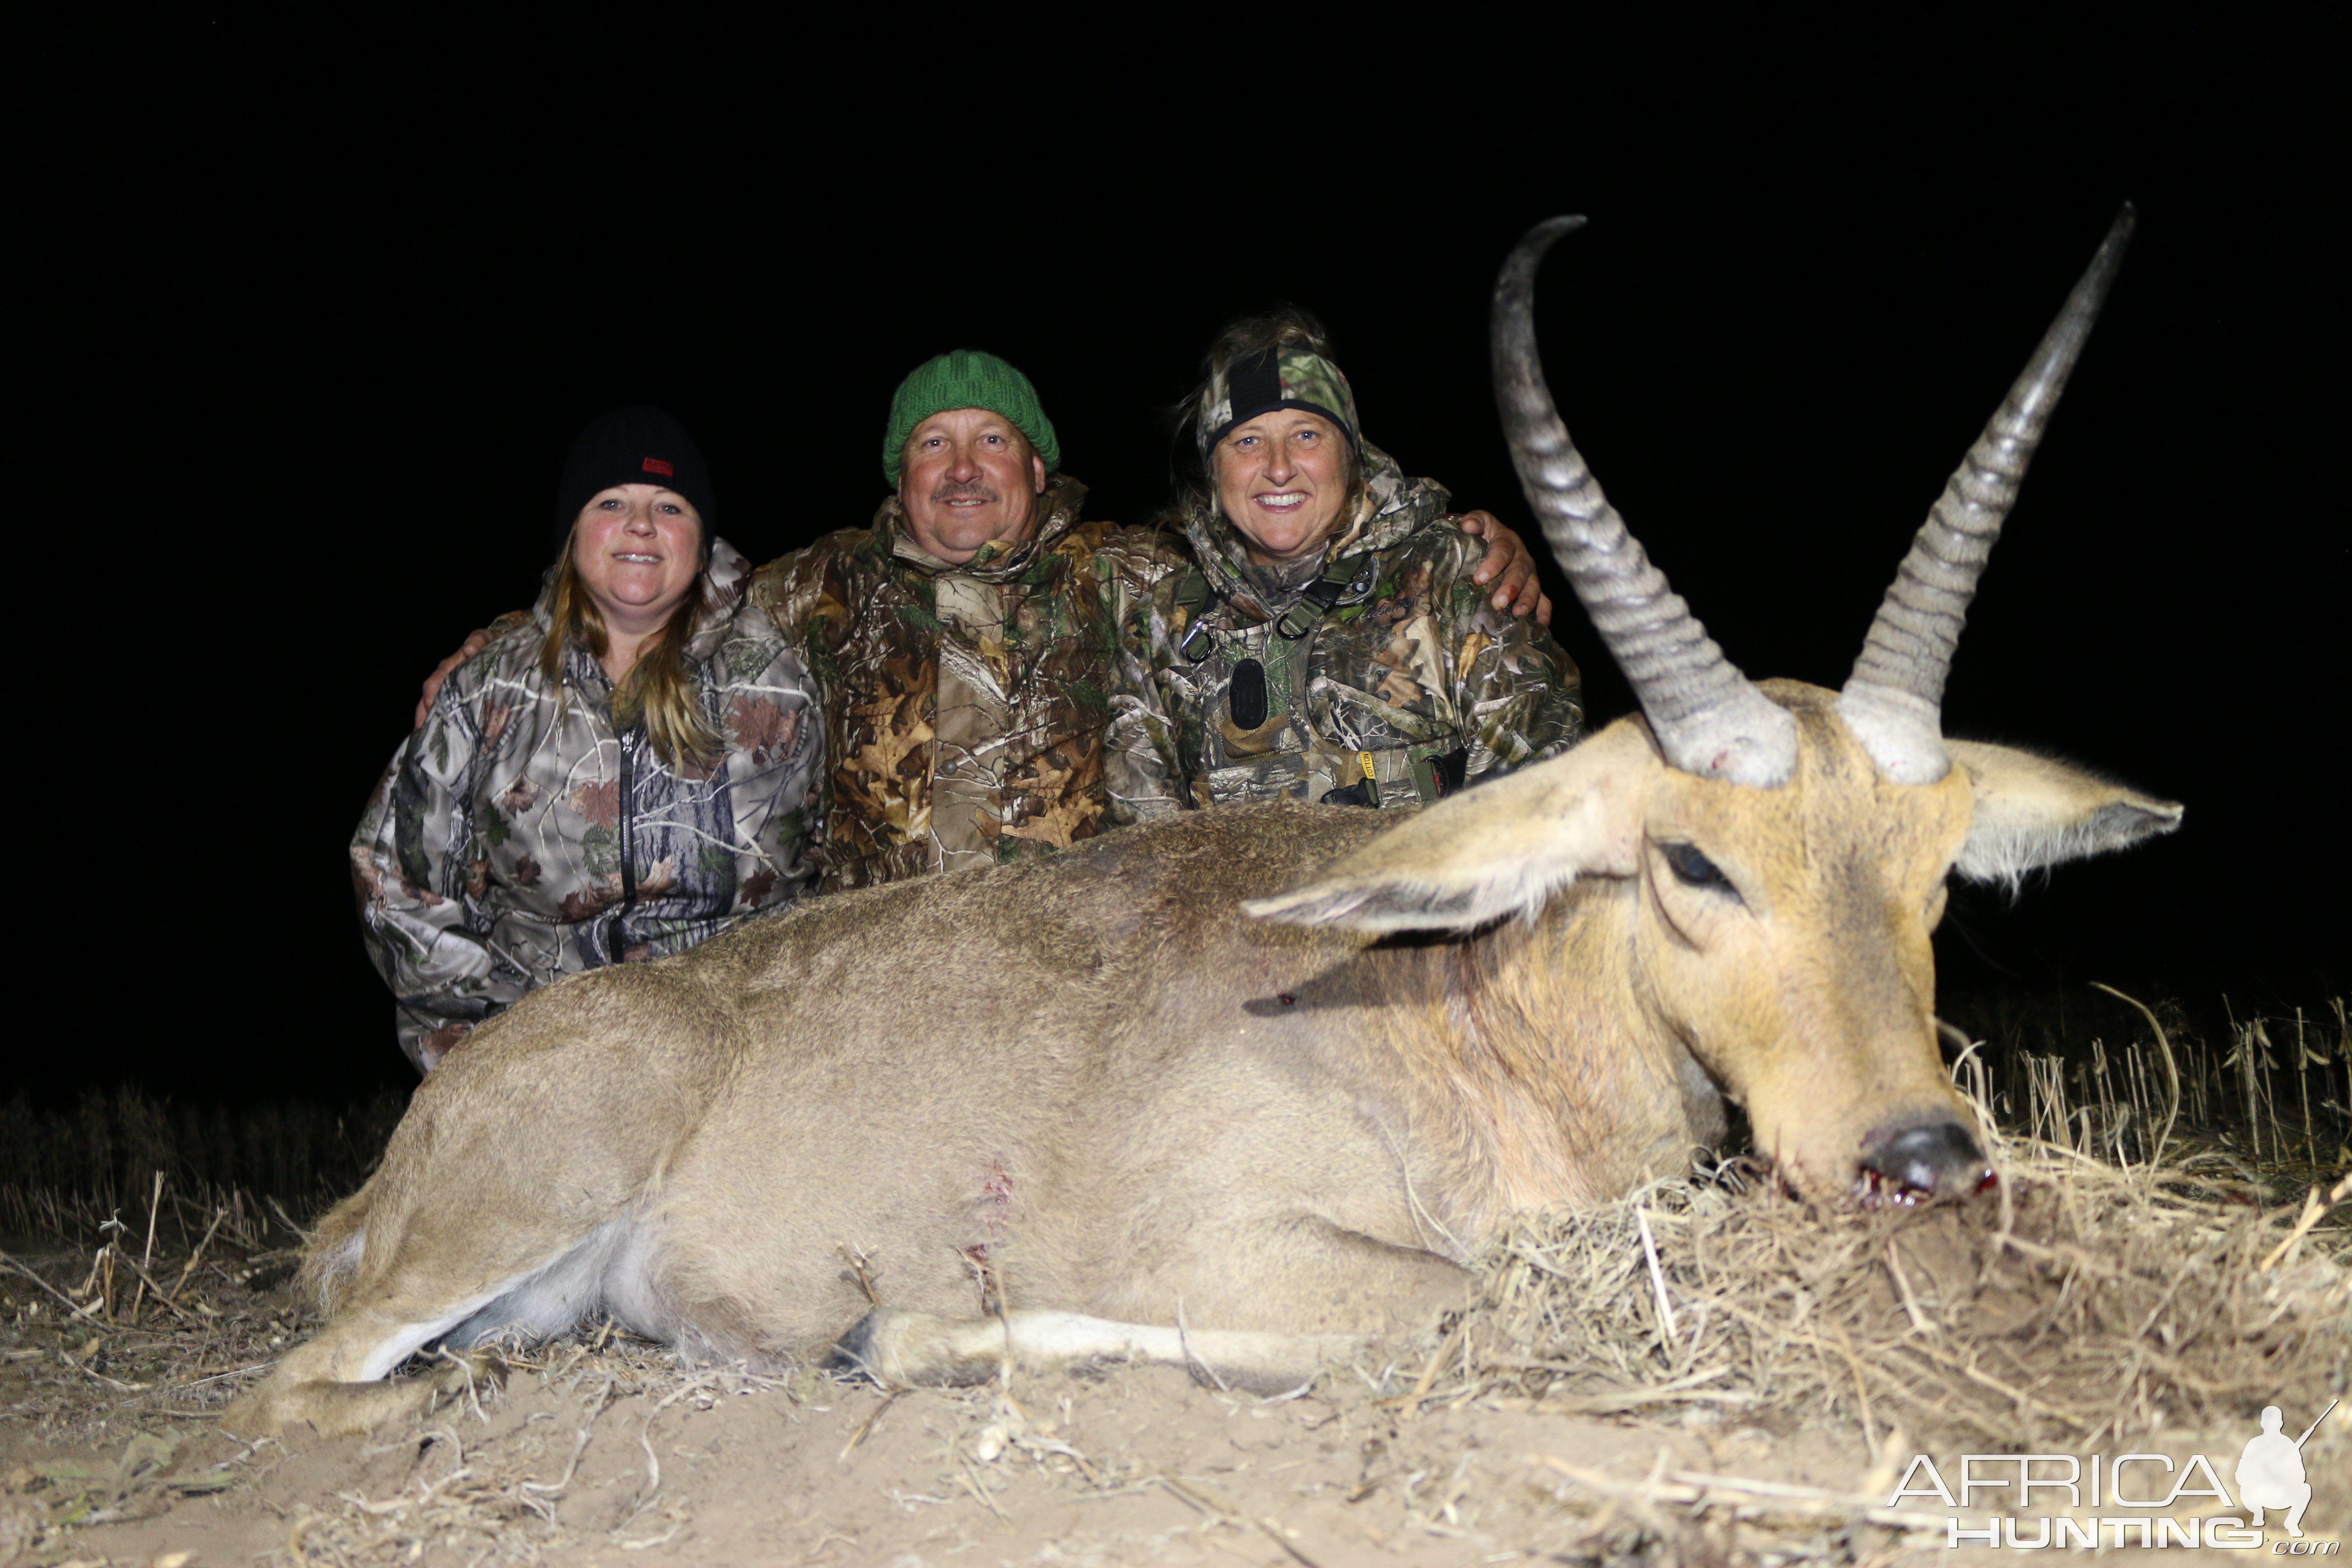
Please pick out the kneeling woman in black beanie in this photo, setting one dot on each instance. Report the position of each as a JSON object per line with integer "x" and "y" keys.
{"x": 625, "y": 773}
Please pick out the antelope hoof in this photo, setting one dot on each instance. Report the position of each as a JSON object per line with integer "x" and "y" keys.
{"x": 872, "y": 1348}
{"x": 914, "y": 1350}
{"x": 355, "y": 1409}
{"x": 473, "y": 1370}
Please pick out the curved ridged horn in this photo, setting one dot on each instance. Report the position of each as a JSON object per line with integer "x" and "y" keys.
{"x": 1894, "y": 700}
{"x": 1708, "y": 719}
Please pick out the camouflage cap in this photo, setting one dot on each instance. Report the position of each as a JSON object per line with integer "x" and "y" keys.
{"x": 966, "y": 378}
{"x": 1290, "y": 377}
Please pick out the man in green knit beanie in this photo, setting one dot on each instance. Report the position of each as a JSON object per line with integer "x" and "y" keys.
{"x": 972, "y": 644}
{"x": 969, "y": 450}
{"x": 966, "y": 378}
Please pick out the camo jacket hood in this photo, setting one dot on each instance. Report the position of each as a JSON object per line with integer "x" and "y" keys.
{"x": 517, "y": 837}
{"x": 1412, "y": 685}
{"x": 979, "y": 713}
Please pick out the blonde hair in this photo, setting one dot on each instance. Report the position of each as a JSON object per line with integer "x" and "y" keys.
{"x": 660, "y": 687}
{"x": 1283, "y": 326}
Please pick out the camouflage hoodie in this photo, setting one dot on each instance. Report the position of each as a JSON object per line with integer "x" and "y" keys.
{"x": 976, "y": 713}
{"x": 1408, "y": 686}
{"x": 516, "y": 838}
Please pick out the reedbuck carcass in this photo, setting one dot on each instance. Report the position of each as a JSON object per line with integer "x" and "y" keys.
{"x": 1235, "y": 1088}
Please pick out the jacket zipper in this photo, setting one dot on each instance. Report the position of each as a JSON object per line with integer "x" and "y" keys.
{"x": 615, "y": 938}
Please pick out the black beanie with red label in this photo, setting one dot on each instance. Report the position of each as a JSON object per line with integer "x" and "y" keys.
{"x": 639, "y": 446}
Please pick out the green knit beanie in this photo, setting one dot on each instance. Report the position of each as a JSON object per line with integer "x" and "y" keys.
{"x": 966, "y": 378}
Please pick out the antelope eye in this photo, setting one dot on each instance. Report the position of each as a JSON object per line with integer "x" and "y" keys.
{"x": 1696, "y": 870}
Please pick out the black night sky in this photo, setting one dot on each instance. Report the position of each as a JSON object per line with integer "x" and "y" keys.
{"x": 326, "y": 343}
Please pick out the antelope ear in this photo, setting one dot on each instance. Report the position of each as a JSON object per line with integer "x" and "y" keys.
{"x": 2033, "y": 812}
{"x": 1498, "y": 849}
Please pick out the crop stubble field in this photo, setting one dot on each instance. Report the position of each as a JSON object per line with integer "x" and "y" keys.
{"x": 1704, "y": 1372}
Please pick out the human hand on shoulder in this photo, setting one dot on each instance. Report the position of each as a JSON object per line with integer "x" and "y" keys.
{"x": 1507, "y": 566}
{"x": 475, "y": 642}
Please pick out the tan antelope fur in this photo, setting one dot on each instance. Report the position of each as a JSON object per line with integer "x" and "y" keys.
{"x": 1091, "y": 1106}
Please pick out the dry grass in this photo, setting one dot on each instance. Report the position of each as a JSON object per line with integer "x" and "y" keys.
{"x": 2097, "y": 1308}
{"x": 2154, "y": 1257}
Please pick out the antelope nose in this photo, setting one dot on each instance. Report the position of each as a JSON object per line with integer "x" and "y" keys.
{"x": 1938, "y": 1158}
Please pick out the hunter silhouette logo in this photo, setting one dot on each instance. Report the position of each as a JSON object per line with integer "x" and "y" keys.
{"x": 2270, "y": 1472}
{"x": 2134, "y": 1499}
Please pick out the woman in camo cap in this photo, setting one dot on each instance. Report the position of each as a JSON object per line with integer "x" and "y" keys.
{"x": 1331, "y": 645}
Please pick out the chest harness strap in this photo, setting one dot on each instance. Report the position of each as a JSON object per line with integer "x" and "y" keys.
{"x": 1348, "y": 580}
{"x": 1193, "y": 598}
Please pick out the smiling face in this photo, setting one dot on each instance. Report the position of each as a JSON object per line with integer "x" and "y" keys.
{"x": 968, "y": 478}
{"x": 1282, "y": 479}
{"x": 637, "y": 549}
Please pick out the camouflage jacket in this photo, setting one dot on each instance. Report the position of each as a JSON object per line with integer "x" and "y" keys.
{"x": 1407, "y": 686}
{"x": 516, "y": 838}
{"x": 976, "y": 713}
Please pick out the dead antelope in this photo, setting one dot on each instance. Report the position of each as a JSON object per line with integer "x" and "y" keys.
{"x": 1088, "y": 1106}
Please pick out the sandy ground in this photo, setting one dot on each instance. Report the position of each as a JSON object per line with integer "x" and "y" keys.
{"x": 1137, "y": 1465}
{"x": 1131, "y": 1465}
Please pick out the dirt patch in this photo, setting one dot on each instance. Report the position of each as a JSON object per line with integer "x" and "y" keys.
{"x": 619, "y": 1457}
{"x": 1138, "y": 1464}
{"x": 1702, "y": 1372}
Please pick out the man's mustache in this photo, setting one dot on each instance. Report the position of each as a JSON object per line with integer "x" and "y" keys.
{"x": 964, "y": 489}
